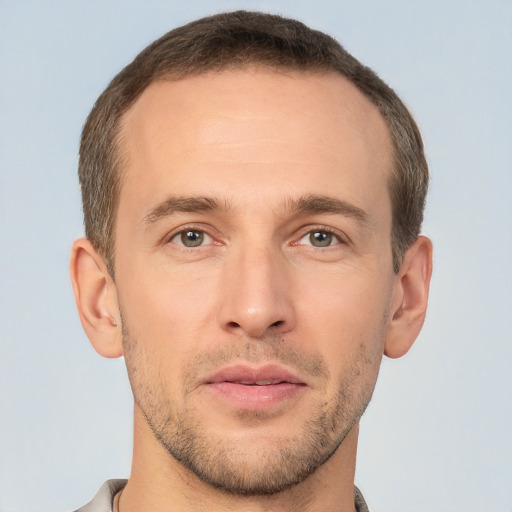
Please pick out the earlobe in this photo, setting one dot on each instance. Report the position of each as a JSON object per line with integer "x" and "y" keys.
{"x": 96, "y": 299}
{"x": 410, "y": 298}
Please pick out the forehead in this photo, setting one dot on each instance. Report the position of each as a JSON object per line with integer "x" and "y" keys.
{"x": 244, "y": 131}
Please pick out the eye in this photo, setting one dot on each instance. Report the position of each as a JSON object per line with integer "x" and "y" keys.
{"x": 320, "y": 238}
{"x": 191, "y": 238}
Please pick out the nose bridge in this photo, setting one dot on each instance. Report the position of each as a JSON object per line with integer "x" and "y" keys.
{"x": 255, "y": 297}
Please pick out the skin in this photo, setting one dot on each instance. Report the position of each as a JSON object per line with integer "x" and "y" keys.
{"x": 257, "y": 290}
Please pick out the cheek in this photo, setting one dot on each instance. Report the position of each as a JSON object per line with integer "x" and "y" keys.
{"x": 343, "y": 301}
{"x": 167, "y": 299}
{"x": 170, "y": 315}
{"x": 347, "y": 318}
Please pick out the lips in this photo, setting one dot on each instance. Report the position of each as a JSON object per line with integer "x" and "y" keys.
{"x": 254, "y": 388}
{"x": 241, "y": 374}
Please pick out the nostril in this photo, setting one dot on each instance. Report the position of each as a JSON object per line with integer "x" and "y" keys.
{"x": 255, "y": 327}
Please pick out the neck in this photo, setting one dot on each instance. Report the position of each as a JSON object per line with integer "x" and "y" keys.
{"x": 159, "y": 482}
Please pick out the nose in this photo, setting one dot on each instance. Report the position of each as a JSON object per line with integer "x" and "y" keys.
{"x": 256, "y": 294}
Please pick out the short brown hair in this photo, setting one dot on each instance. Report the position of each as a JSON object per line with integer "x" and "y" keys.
{"x": 234, "y": 40}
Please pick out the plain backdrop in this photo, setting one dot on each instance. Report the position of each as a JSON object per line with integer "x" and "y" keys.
{"x": 438, "y": 433}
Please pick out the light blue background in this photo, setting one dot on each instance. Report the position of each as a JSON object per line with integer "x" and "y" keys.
{"x": 437, "y": 436}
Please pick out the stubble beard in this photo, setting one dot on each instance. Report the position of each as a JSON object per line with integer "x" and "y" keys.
{"x": 255, "y": 470}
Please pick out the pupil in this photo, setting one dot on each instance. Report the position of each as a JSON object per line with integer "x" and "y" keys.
{"x": 192, "y": 238}
{"x": 320, "y": 239}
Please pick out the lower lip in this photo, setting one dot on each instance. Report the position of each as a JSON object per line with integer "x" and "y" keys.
{"x": 255, "y": 398}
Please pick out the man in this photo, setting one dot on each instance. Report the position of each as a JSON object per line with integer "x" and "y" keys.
{"x": 253, "y": 198}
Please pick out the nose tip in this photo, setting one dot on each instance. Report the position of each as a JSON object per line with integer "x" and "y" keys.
{"x": 256, "y": 323}
{"x": 257, "y": 298}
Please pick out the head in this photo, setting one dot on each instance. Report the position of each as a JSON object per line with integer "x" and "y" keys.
{"x": 231, "y": 41}
{"x": 259, "y": 194}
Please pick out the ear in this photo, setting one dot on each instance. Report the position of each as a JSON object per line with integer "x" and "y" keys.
{"x": 410, "y": 298}
{"x": 96, "y": 299}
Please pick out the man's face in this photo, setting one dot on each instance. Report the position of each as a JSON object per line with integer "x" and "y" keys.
{"x": 254, "y": 269}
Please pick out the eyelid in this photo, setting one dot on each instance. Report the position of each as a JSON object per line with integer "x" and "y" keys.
{"x": 307, "y": 230}
{"x": 176, "y": 239}
{"x": 168, "y": 238}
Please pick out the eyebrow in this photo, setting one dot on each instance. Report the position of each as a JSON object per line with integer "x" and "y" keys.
{"x": 319, "y": 204}
{"x": 181, "y": 205}
{"x": 306, "y": 204}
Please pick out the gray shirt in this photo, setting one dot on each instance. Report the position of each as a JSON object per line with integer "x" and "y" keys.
{"x": 104, "y": 499}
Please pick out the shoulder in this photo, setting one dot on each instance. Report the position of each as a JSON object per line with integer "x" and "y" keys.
{"x": 102, "y": 502}
{"x": 359, "y": 501}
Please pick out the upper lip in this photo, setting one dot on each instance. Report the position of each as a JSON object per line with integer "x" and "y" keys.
{"x": 243, "y": 374}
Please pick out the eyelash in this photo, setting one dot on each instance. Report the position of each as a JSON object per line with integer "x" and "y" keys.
{"x": 186, "y": 229}
{"x": 341, "y": 238}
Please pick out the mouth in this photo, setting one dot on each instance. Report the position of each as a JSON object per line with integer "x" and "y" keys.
{"x": 254, "y": 388}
